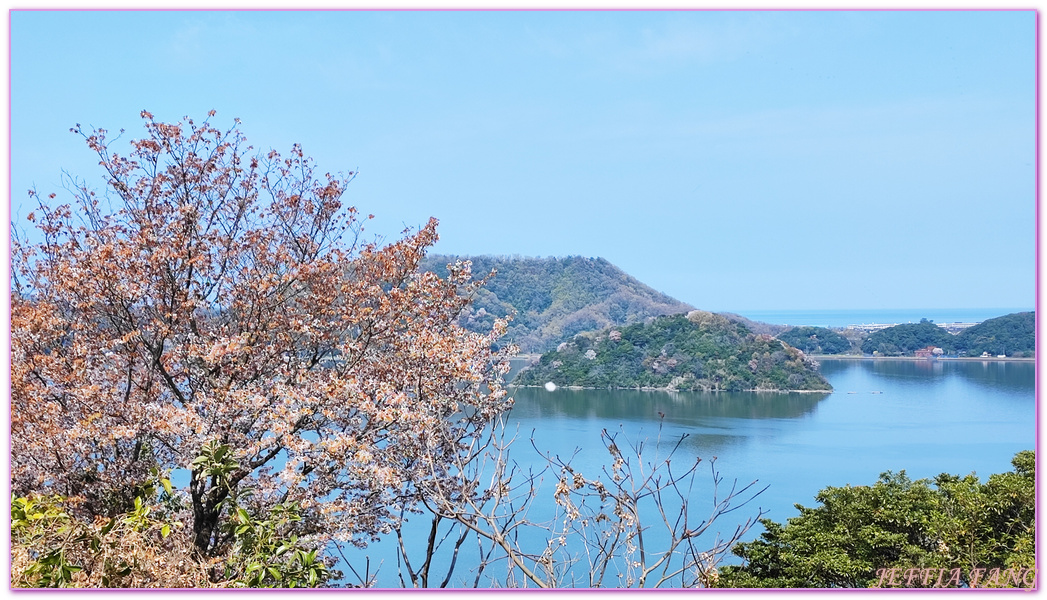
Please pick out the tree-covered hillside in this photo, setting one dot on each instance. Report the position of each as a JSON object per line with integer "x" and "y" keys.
{"x": 816, "y": 340}
{"x": 907, "y": 338}
{"x": 699, "y": 351}
{"x": 1013, "y": 335}
{"x": 554, "y": 299}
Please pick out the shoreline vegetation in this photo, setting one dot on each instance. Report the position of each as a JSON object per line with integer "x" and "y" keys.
{"x": 816, "y": 357}
{"x": 534, "y": 357}
{"x": 672, "y": 389}
{"x": 922, "y": 358}
{"x": 705, "y": 351}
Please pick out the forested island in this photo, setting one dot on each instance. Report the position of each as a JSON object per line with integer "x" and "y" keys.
{"x": 698, "y": 351}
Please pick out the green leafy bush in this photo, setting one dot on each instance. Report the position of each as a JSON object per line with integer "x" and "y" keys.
{"x": 950, "y": 523}
{"x": 56, "y": 543}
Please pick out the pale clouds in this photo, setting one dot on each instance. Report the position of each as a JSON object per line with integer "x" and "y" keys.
{"x": 678, "y": 39}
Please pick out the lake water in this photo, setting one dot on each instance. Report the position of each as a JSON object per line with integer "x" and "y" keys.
{"x": 921, "y": 416}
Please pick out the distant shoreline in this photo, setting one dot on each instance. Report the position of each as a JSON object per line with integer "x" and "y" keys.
{"x": 533, "y": 357}
{"x": 940, "y": 358}
{"x": 667, "y": 389}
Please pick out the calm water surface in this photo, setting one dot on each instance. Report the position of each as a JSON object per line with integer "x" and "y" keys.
{"x": 921, "y": 416}
{"x": 925, "y": 417}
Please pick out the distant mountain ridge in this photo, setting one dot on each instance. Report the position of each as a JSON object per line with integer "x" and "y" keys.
{"x": 554, "y": 299}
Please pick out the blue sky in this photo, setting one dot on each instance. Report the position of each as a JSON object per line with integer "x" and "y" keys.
{"x": 734, "y": 160}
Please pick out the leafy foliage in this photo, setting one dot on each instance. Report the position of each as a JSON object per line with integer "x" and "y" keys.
{"x": 952, "y": 522}
{"x": 907, "y": 338}
{"x": 1012, "y": 335}
{"x": 816, "y": 340}
{"x": 554, "y": 299}
{"x": 266, "y": 554}
{"x": 699, "y": 351}
{"x": 55, "y": 545}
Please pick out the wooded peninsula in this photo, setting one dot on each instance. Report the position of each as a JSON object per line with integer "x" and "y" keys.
{"x": 699, "y": 351}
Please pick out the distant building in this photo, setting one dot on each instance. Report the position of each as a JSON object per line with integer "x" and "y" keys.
{"x": 927, "y": 352}
{"x": 872, "y": 327}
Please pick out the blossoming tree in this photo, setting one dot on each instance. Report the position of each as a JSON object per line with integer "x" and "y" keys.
{"x": 213, "y": 310}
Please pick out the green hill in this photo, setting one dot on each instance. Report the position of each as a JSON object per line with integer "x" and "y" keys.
{"x": 699, "y": 351}
{"x": 907, "y": 338}
{"x": 554, "y": 299}
{"x": 816, "y": 340}
{"x": 1013, "y": 335}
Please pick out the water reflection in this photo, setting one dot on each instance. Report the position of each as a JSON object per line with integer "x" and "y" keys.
{"x": 928, "y": 418}
{"x": 1013, "y": 376}
{"x": 994, "y": 375}
{"x": 683, "y": 408}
